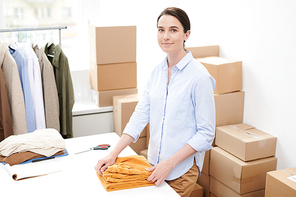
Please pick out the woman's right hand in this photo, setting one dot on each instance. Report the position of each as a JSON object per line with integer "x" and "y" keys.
{"x": 109, "y": 160}
{"x": 104, "y": 163}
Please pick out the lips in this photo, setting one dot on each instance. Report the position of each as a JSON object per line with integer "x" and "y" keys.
{"x": 167, "y": 44}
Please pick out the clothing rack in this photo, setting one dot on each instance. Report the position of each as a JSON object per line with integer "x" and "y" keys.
{"x": 36, "y": 29}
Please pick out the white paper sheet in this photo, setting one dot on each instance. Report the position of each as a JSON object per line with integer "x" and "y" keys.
{"x": 29, "y": 170}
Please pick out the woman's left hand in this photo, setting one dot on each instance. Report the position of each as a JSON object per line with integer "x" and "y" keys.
{"x": 160, "y": 172}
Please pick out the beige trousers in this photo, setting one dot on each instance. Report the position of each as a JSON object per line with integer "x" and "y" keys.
{"x": 185, "y": 184}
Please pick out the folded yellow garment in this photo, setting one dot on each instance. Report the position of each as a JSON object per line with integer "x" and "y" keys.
{"x": 125, "y": 173}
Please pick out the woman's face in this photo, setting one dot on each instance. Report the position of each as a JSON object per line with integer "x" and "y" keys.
{"x": 171, "y": 34}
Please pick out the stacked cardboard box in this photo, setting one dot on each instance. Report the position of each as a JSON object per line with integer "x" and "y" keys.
{"x": 237, "y": 167}
{"x": 281, "y": 183}
{"x": 244, "y": 155}
{"x": 239, "y": 162}
{"x": 226, "y": 72}
{"x": 229, "y": 99}
{"x": 123, "y": 108}
{"x": 197, "y": 191}
{"x": 113, "y": 66}
{"x": 237, "y": 176}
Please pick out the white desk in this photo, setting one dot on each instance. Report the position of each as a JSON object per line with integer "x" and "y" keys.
{"x": 78, "y": 177}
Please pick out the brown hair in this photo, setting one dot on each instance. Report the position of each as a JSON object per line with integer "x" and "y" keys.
{"x": 180, "y": 15}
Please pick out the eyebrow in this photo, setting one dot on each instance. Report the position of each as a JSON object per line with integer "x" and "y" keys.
{"x": 171, "y": 27}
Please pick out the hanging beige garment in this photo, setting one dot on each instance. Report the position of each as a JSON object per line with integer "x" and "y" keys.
{"x": 50, "y": 93}
{"x": 14, "y": 91}
{"x": 5, "y": 117}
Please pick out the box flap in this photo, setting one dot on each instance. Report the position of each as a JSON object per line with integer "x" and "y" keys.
{"x": 215, "y": 60}
{"x": 285, "y": 176}
{"x": 245, "y": 133}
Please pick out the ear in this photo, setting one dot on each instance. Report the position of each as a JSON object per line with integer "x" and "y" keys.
{"x": 186, "y": 35}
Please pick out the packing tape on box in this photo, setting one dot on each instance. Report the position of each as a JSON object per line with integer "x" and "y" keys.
{"x": 262, "y": 141}
{"x": 248, "y": 179}
{"x": 293, "y": 177}
{"x": 246, "y": 132}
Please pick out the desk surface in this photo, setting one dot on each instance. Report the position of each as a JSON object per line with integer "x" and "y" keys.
{"x": 78, "y": 177}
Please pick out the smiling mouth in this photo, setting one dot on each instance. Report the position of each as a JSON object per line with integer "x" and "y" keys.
{"x": 167, "y": 44}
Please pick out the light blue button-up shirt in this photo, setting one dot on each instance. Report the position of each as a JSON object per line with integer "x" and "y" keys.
{"x": 24, "y": 78}
{"x": 180, "y": 112}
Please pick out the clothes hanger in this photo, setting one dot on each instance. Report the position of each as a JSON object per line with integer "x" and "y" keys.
{"x": 36, "y": 40}
{"x": 26, "y": 39}
{"x": 51, "y": 39}
{"x": 50, "y": 42}
{"x": 11, "y": 42}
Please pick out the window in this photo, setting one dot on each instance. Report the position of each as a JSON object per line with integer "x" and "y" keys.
{"x": 66, "y": 12}
{"x": 77, "y": 15}
{"x": 18, "y": 13}
{"x": 42, "y": 12}
{"x": 45, "y": 13}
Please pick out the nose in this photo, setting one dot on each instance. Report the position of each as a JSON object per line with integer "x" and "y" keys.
{"x": 166, "y": 35}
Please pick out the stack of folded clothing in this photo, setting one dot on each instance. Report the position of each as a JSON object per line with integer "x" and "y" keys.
{"x": 41, "y": 143}
{"x": 125, "y": 173}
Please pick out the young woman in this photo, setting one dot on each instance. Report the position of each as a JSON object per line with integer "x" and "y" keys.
{"x": 179, "y": 103}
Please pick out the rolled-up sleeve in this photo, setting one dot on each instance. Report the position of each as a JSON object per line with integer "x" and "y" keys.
{"x": 203, "y": 99}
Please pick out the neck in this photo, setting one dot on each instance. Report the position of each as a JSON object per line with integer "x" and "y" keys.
{"x": 173, "y": 59}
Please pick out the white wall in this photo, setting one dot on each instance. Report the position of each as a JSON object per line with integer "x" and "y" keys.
{"x": 262, "y": 34}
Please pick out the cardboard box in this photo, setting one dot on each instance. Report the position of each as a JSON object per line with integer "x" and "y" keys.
{"x": 197, "y": 191}
{"x": 123, "y": 108}
{"x": 221, "y": 190}
{"x": 113, "y": 76}
{"x": 204, "y": 50}
{"x": 206, "y": 164}
{"x": 204, "y": 181}
{"x": 105, "y": 98}
{"x": 226, "y": 72}
{"x": 144, "y": 153}
{"x": 240, "y": 176}
{"x": 245, "y": 142}
{"x": 280, "y": 183}
{"x": 148, "y": 135}
{"x": 229, "y": 108}
{"x": 213, "y": 195}
{"x": 139, "y": 145}
{"x": 109, "y": 45}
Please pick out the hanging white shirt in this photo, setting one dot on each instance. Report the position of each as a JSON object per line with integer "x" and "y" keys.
{"x": 35, "y": 84}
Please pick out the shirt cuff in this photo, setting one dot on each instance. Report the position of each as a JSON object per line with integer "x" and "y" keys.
{"x": 200, "y": 143}
{"x": 132, "y": 131}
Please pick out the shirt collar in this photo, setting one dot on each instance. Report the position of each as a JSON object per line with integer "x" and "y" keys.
{"x": 56, "y": 57}
{"x": 188, "y": 57}
{"x": 182, "y": 63}
{"x": 56, "y": 49}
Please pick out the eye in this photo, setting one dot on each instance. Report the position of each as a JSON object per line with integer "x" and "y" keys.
{"x": 160, "y": 30}
{"x": 174, "y": 30}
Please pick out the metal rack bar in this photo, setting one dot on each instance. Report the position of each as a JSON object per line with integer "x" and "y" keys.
{"x": 35, "y": 29}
